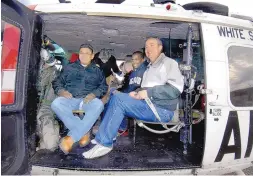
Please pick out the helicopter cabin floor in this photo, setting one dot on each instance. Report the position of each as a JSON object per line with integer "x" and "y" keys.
{"x": 142, "y": 151}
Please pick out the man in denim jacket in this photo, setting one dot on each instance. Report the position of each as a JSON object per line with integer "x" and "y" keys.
{"x": 79, "y": 86}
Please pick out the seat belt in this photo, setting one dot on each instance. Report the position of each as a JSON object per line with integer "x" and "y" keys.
{"x": 80, "y": 112}
{"x": 152, "y": 107}
{"x": 81, "y": 106}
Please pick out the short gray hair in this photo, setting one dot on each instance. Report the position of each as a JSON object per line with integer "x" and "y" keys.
{"x": 157, "y": 39}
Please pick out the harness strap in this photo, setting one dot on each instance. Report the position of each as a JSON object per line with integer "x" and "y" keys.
{"x": 152, "y": 107}
{"x": 175, "y": 128}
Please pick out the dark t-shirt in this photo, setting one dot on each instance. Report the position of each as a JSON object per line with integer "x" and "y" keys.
{"x": 106, "y": 67}
{"x": 125, "y": 82}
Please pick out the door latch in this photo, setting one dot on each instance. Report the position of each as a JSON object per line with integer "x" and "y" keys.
{"x": 213, "y": 103}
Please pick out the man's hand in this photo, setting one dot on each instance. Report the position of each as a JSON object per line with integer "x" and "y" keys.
{"x": 89, "y": 97}
{"x": 113, "y": 78}
{"x": 142, "y": 94}
{"x": 134, "y": 95}
{"x": 109, "y": 79}
{"x": 66, "y": 94}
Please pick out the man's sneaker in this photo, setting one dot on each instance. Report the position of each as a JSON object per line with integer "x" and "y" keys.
{"x": 93, "y": 141}
{"x": 85, "y": 140}
{"x": 97, "y": 151}
{"x": 66, "y": 144}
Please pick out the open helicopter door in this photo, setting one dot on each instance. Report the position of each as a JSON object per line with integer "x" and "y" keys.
{"x": 16, "y": 30}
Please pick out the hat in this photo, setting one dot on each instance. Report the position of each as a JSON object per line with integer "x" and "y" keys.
{"x": 47, "y": 57}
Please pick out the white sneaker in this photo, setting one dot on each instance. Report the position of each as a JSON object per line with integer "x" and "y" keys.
{"x": 97, "y": 151}
{"x": 93, "y": 141}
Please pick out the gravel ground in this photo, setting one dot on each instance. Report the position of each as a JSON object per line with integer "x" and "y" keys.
{"x": 248, "y": 171}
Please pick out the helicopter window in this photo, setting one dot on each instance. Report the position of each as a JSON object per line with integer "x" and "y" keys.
{"x": 240, "y": 75}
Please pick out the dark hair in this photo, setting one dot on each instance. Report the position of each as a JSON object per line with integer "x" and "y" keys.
{"x": 86, "y": 46}
{"x": 139, "y": 53}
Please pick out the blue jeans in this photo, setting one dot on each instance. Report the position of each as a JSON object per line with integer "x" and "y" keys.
{"x": 77, "y": 128}
{"x": 121, "y": 105}
{"x": 124, "y": 123}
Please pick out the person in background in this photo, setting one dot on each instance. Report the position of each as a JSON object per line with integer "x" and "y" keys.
{"x": 133, "y": 72}
{"x": 107, "y": 62}
{"x": 135, "y": 76}
{"x": 48, "y": 129}
{"x": 55, "y": 50}
{"x": 132, "y": 82}
{"x": 114, "y": 83}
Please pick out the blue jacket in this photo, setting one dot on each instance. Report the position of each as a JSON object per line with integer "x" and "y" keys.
{"x": 135, "y": 78}
{"x": 80, "y": 81}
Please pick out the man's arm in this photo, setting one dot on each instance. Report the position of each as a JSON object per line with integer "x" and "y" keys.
{"x": 102, "y": 87}
{"x": 163, "y": 92}
{"x": 115, "y": 67}
{"x": 59, "y": 82}
{"x": 173, "y": 87}
{"x": 136, "y": 83}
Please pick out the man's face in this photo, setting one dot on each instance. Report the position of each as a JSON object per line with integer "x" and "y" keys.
{"x": 153, "y": 49}
{"x": 85, "y": 56}
{"x": 136, "y": 61}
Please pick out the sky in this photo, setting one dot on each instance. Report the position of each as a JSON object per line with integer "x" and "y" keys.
{"x": 242, "y": 7}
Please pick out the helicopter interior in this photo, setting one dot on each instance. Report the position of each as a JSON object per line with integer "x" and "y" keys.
{"x": 141, "y": 149}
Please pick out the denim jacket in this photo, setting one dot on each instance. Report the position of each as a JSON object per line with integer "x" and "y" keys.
{"x": 81, "y": 81}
